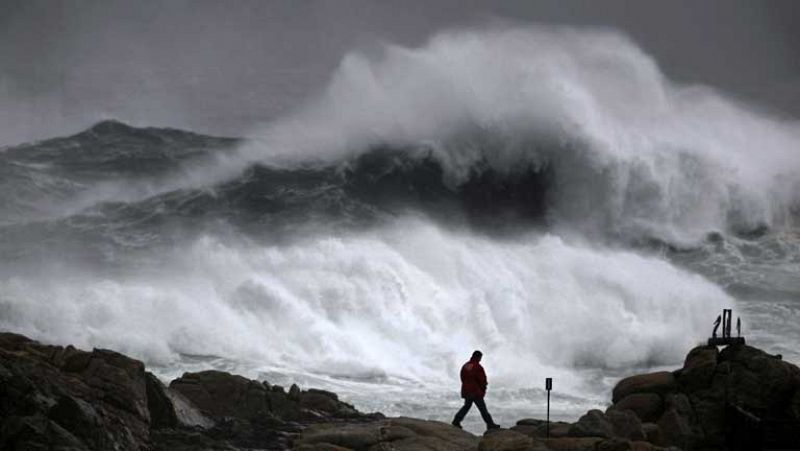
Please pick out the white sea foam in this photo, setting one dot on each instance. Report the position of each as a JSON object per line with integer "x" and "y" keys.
{"x": 405, "y": 302}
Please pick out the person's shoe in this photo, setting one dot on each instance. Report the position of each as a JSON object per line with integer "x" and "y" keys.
{"x": 456, "y": 424}
{"x": 493, "y": 426}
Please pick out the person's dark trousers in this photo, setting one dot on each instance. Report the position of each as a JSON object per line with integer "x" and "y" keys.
{"x": 487, "y": 418}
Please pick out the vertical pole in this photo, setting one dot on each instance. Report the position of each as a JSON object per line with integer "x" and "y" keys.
{"x": 548, "y": 385}
{"x": 730, "y": 321}
{"x": 726, "y": 323}
{"x": 548, "y": 413}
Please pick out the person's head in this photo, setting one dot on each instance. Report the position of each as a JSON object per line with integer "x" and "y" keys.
{"x": 476, "y": 356}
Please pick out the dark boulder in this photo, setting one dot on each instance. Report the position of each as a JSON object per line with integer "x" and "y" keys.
{"x": 613, "y": 444}
{"x": 675, "y": 430}
{"x": 592, "y": 424}
{"x": 698, "y": 368}
{"x": 647, "y": 406}
{"x": 651, "y": 432}
{"x": 539, "y": 428}
{"x": 508, "y": 440}
{"x": 746, "y": 382}
{"x": 572, "y": 443}
{"x": 36, "y": 432}
{"x": 794, "y": 406}
{"x": 661, "y": 382}
{"x": 322, "y": 402}
{"x": 219, "y": 394}
{"x": 78, "y": 416}
{"x": 626, "y": 424}
{"x": 759, "y": 381}
{"x": 62, "y": 398}
{"x": 162, "y": 411}
{"x": 294, "y": 392}
{"x": 280, "y": 404}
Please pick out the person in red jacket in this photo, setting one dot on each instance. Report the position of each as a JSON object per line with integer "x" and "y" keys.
{"x": 473, "y": 389}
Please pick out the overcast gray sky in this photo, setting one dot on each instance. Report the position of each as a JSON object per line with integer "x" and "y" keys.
{"x": 224, "y": 66}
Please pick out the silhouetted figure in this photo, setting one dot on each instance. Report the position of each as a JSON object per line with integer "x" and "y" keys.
{"x": 738, "y": 326}
{"x": 473, "y": 389}
{"x": 716, "y": 326}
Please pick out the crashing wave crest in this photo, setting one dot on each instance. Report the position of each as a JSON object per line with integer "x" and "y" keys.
{"x": 634, "y": 155}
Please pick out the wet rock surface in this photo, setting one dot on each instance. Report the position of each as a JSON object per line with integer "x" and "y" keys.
{"x": 62, "y": 398}
{"x": 55, "y": 396}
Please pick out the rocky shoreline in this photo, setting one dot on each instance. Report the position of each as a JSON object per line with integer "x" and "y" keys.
{"x": 62, "y": 398}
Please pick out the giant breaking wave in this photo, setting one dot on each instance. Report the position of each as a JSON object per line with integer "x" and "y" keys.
{"x": 543, "y": 194}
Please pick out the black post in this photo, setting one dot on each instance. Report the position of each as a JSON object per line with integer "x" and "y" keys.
{"x": 730, "y": 322}
{"x": 726, "y": 323}
{"x": 548, "y": 385}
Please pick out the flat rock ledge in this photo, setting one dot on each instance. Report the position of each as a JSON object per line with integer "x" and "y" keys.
{"x": 62, "y": 398}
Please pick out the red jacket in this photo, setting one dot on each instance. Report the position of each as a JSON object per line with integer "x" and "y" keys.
{"x": 473, "y": 380}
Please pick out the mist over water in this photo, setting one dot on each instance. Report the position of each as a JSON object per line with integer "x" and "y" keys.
{"x": 542, "y": 194}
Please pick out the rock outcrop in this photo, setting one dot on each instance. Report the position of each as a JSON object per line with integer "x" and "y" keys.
{"x": 738, "y": 398}
{"x": 51, "y": 395}
{"x": 615, "y": 430}
{"x": 389, "y": 434}
{"x": 717, "y": 399}
{"x": 62, "y": 398}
